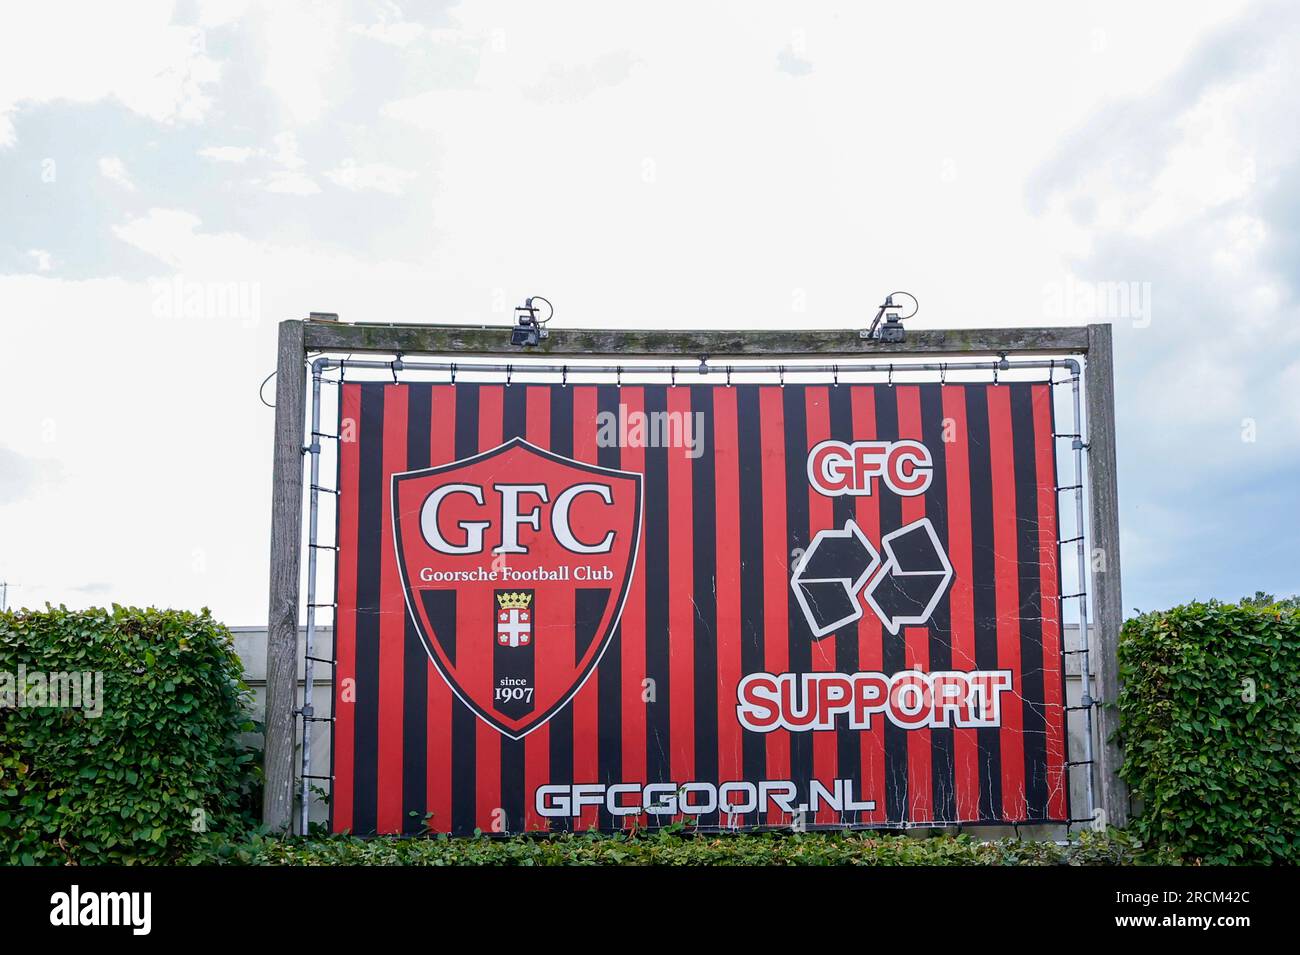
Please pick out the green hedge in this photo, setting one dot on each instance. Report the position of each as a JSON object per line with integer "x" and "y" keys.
{"x": 1210, "y": 722}
{"x": 159, "y": 765}
{"x": 671, "y": 848}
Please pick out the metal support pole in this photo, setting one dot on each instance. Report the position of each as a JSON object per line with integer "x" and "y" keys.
{"x": 286, "y": 538}
{"x": 310, "y": 641}
{"x": 1085, "y": 664}
{"x": 693, "y": 369}
{"x": 1103, "y": 504}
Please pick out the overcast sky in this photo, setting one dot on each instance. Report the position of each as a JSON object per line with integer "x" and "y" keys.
{"x": 656, "y": 164}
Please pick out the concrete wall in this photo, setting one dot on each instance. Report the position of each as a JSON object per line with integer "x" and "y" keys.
{"x": 251, "y": 645}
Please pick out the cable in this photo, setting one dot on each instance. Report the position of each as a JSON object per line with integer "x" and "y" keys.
{"x": 262, "y": 388}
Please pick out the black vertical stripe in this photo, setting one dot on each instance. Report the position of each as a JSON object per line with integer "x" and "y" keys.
{"x": 440, "y": 607}
{"x": 984, "y": 589}
{"x": 589, "y": 605}
{"x": 705, "y": 587}
{"x": 415, "y": 666}
{"x": 794, "y": 400}
{"x": 751, "y": 571}
{"x": 370, "y": 497}
{"x": 848, "y": 742}
{"x": 1031, "y": 598}
{"x": 464, "y": 722}
{"x": 893, "y": 651}
{"x": 658, "y": 710}
{"x": 609, "y": 672}
{"x": 514, "y": 425}
{"x": 561, "y": 724}
{"x": 943, "y": 777}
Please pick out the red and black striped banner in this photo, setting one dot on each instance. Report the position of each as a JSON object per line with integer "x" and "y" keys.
{"x": 567, "y": 606}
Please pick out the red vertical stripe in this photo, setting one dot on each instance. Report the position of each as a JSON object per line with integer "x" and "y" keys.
{"x": 586, "y": 713}
{"x": 870, "y": 633}
{"x": 442, "y": 449}
{"x": 478, "y": 620}
{"x": 392, "y": 623}
{"x": 633, "y": 625}
{"x": 916, "y": 640}
{"x": 961, "y": 600}
{"x": 776, "y": 569}
{"x": 726, "y": 463}
{"x": 821, "y": 515}
{"x": 1007, "y": 586}
{"x": 1045, "y": 468}
{"x": 345, "y": 628}
{"x": 681, "y": 584}
{"x": 556, "y": 630}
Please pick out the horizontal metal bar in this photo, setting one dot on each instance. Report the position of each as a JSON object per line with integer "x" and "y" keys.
{"x": 692, "y": 370}
{"x": 495, "y": 340}
{"x": 310, "y": 776}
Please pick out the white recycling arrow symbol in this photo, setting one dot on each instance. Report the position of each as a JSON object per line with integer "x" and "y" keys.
{"x": 840, "y": 563}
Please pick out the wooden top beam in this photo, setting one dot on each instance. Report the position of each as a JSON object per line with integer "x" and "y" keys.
{"x": 494, "y": 340}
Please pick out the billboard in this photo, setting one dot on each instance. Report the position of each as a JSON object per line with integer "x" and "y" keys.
{"x": 565, "y": 606}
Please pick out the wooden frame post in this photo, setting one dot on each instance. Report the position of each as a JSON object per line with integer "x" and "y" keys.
{"x": 286, "y": 541}
{"x": 1107, "y": 599}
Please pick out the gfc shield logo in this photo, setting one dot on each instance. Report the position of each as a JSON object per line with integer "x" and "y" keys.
{"x": 515, "y": 564}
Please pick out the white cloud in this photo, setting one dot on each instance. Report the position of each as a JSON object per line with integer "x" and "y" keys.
{"x": 391, "y": 28}
{"x": 22, "y": 476}
{"x": 91, "y": 51}
{"x": 230, "y": 154}
{"x": 291, "y": 183}
{"x": 290, "y": 178}
{"x": 114, "y": 170}
{"x": 641, "y": 171}
{"x": 373, "y": 177}
{"x": 302, "y": 42}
